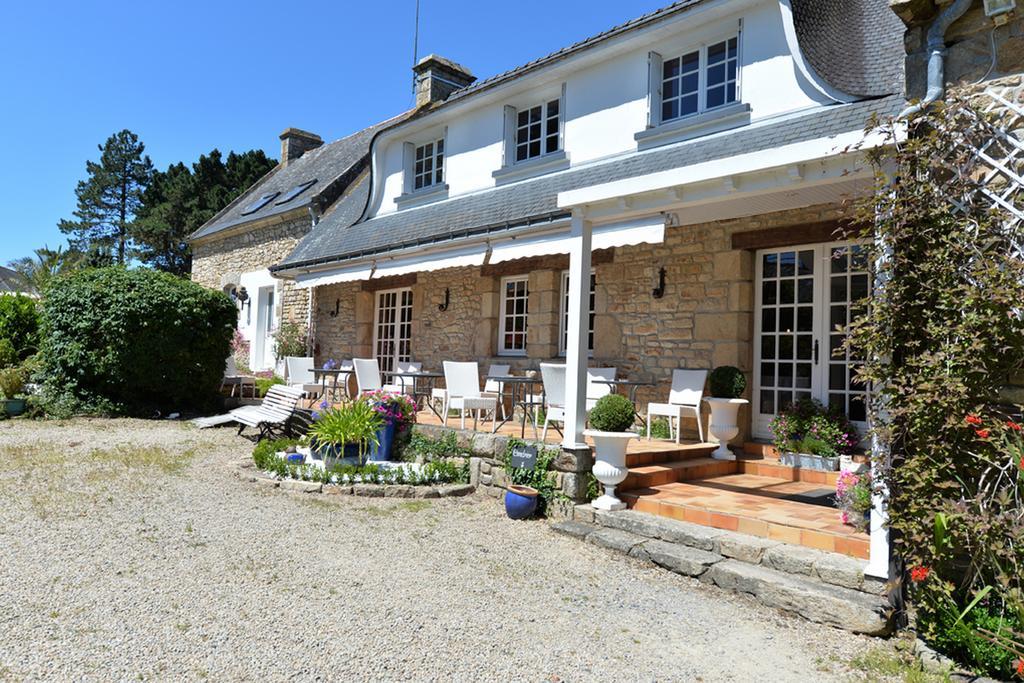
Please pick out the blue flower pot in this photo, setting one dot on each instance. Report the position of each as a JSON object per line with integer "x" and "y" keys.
{"x": 14, "y": 406}
{"x": 520, "y": 502}
{"x": 334, "y": 456}
{"x": 385, "y": 442}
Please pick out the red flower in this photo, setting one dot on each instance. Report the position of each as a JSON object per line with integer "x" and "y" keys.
{"x": 973, "y": 420}
{"x": 919, "y": 574}
{"x": 1013, "y": 425}
{"x": 982, "y": 433}
{"x": 1018, "y": 666}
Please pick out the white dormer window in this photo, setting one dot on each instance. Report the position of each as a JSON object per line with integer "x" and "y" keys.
{"x": 700, "y": 80}
{"x": 428, "y": 165}
{"x": 538, "y": 131}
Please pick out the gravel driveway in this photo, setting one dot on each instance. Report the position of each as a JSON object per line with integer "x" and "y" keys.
{"x": 128, "y": 550}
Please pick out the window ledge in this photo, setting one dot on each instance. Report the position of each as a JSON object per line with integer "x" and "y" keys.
{"x": 430, "y": 193}
{"x": 694, "y": 126}
{"x": 553, "y": 161}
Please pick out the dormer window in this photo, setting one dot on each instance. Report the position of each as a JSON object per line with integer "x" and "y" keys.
{"x": 537, "y": 131}
{"x": 700, "y": 80}
{"x": 428, "y": 167}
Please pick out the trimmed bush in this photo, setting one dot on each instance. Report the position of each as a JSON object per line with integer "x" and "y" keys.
{"x": 133, "y": 342}
{"x": 19, "y": 324}
{"x": 613, "y": 413}
{"x": 727, "y": 382}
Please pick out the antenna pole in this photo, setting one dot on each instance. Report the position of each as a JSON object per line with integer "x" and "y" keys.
{"x": 416, "y": 43}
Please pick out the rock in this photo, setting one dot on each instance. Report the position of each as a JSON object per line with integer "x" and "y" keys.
{"x": 573, "y": 528}
{"x": 474, "y": 471}
{"x": 397, "y": 491}
{"x": 455, "y": 490}
{"x": 580, "y": 460}
{"x": 792, "y": 559}
{"x": 560, "y": 509}
{"x": 677, "y": 558}
{"x": 493, "y": 491}
{"x": 369, "y": 490}
{"x": 498, "y": 477}
{"x": 840, "y": 570}
{"x": 744, "y": 547}
{"x": 267, "y": 482}
{"x": 614, "y": 539}
{"x": 833, "y": 605}
{"x": 486, "y": 480}
{"x": 425, "y": 492}
{"x": 301, "y": 486}
{"x": 337, "y": 490}
{"x": 485, "y": 467}
{"x": 584, "y": 513}
{"x": 652, "y": 526}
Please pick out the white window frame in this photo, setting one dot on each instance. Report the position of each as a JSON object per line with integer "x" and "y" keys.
{"x": 436, "y": 157}
{"x": 396, "y": 356}
{"x": 504, "y": 314}
{"x": 656, "y": 80}
{"x": 563, "y": 317}
{"x": 545, "y": 122}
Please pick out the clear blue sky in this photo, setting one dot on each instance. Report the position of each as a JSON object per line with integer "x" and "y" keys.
{"x": 190, "y": 76}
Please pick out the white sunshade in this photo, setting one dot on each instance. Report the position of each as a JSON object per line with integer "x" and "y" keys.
{"x": 334, "y": 276}
{"x": 425, "y": 262}
{"x": 649, "y": 230}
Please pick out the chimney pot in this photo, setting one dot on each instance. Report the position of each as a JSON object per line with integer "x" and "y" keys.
{"x": 436, "y": 78}
{"x": 295, "y": 142}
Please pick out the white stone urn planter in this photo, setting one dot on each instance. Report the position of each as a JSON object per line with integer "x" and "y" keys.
{"x": 724, "y": 424}
{"x": 609, "y": 465}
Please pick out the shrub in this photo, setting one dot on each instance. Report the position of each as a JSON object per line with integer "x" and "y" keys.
{"x": 133, "y": 342}
{"x": 539, "y": 477}
{"x": 20, "y": 323}
{"x": 290, "y": 339}
{"x": 8, "y": 356}
{"x": 613, "y": 413}
{"x": 807, "y": 427}
{"x": 263, "y": 384}
{"x": 727, "y": 382}
{"x": 12, "y": 382}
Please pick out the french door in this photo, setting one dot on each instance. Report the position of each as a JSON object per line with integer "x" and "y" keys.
{"x": 802, "y": 295}
{"x": 392, "y": 331}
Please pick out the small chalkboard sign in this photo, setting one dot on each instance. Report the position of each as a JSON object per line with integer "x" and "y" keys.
{"x": 524, "y": 457}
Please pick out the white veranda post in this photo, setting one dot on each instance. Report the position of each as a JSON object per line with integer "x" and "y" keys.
{"x": 577, "y": 328}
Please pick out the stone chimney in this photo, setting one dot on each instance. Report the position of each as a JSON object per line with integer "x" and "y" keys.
{"x": 296, "y": 142}
{"x": 436, "y": 78}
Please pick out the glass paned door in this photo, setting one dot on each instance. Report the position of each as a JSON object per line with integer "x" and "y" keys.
{"x": 802, "y": 294}
{"x": 392, "y": 337}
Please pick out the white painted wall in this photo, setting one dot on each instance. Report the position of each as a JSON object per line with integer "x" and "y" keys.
{"x": 256, "y": 283}
{"x": 605, "y": 98}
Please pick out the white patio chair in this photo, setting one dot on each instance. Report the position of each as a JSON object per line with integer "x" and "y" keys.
{"x": 463, "y": 393}
{"x": 597, "y": 390}
{"x": 368, "y": 376}
{"x": 683, "y": 399}
{"x": 233, "y": 379}
{"x": 300, "y": 375}
{"x": 492, "y": 389}
{"x": 348, "y": 370}
{"x": 406, "y": 384}
{"x": 553, "y": 376}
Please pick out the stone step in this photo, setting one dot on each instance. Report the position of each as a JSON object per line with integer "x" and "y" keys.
{"x": 680, "y": 470}
{"x": 655, "y": 452}
{"x": 818, "y": 586}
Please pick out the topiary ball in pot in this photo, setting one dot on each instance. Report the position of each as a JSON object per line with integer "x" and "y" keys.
{"x": 613, "y": 413}
{"x": 727, "y": 381}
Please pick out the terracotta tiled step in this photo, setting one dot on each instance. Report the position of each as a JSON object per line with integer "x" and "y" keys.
{"x": 763, "y": 450}
{"x": 773, "y": 468}
{"x": 753, "y": 505}
{"x": 646, "y": 476}
{"x": 643, "y": 452}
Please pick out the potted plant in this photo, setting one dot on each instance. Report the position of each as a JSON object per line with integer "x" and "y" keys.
{"x": 727, "y": 384}
{"x": 345, "y": 433}
{"x": 12, "y": 384}
{"x": 398, "y": 412}
{"x": 853, "y": 498}
{"x": 808, "y": 435}
{"x": 520, "y": 501}
{"x": 611, "y": 419}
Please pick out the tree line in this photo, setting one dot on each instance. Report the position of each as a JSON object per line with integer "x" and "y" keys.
{"x": 128, "y": 211}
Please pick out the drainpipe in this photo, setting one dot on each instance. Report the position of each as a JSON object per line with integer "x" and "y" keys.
{"x": 937, "y": 57}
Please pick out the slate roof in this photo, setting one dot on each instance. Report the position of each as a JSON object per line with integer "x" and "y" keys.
{"x": 333, "y": 166}
{"x": 13, "y": 282}
{"x": 856, "y": 46}
{"x": 535, "y": 200}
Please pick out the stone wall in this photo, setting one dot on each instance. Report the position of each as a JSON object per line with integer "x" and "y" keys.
{"x": 969, "y": 42}
{"x": 215, "y": 259}
{"x": 705, "y": 318}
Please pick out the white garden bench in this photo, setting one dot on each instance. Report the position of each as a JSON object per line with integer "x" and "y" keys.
{"x": 273, "y": 414}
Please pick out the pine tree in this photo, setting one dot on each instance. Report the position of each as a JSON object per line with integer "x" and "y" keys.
{"x": 110, "y": 197}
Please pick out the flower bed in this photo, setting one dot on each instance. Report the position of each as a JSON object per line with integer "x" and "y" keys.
{"x": 808, "y": 435}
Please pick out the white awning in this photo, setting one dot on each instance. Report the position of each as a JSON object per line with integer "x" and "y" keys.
{"x": 426, "y": 262}
{"x": 334, "y": 276}
{"x": 648, "y": 230}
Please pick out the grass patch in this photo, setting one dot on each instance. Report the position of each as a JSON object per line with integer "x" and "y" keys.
{"x": 882, "y": 664}
{"x": 149, "y": 457}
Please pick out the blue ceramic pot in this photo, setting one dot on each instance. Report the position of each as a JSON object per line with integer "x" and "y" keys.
{"x": 520, "y": 502}
{"x": 385, "y": 442}
{"x": 14, "y": 406}
{"x": 335, "y": 456}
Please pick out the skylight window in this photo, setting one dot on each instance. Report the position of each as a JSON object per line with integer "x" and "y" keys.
{"x": 259, "y": 203}
{"x": 296, "y": 191}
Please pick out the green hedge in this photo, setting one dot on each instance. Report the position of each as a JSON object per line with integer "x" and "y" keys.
{"x": 19, "y": 323}
{"x": 133, "y": 342}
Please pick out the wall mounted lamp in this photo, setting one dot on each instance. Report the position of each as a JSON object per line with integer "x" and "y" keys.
{"x": 659, "y": 291}
{"x": 447, "y": 299}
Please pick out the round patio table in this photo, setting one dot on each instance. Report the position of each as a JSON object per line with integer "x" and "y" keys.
{"x": 426, "y": 393}
{"x": 632, "y": 385}
{"x": 521, "y": 394}
{"x": 334, "y": 373}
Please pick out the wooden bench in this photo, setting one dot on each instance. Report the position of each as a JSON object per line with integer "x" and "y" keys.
{"x": 272, "y": 416}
